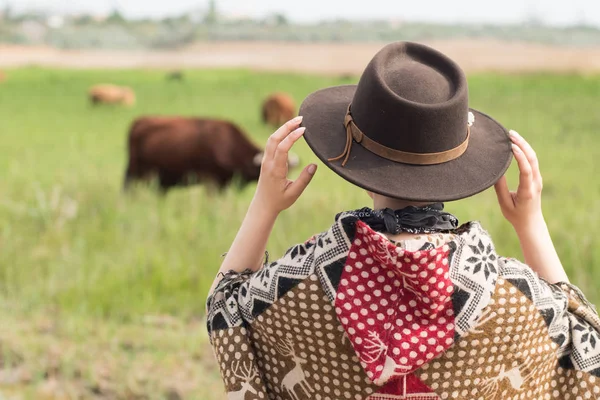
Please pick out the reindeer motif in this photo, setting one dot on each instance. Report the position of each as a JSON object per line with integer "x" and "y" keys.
{"x": 407, "y": 286}
{"x": 405, "y": 395}
{"x": 392, "y": 257}
{"x": 490, "y": 386}
{"x": 486, "y": 316}
{"x": 375, "y": 348}
{"x": 296, "y": 375}
{"x": 247, "y": 374}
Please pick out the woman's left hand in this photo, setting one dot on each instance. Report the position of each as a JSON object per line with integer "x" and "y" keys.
{"x": 523, "y": 208}
{"x": 275, "y": 192}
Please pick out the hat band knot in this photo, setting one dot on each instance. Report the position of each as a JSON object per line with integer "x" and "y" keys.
{"x": 353, "y": 133}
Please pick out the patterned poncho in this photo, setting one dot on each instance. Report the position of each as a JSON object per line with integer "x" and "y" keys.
{"x": 350, "y": 314}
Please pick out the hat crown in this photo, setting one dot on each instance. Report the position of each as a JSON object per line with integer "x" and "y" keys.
{"x": 412, "y": 98}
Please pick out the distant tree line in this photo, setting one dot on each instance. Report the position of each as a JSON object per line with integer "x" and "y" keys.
{"x": 117, "y": 31}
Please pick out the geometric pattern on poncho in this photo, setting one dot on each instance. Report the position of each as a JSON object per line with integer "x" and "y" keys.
{"x": 551, "y": 303}
{"x": 512, "y": 340}
{"x": 325, "y": 253}
{"x": 509, "y": 355}
{"x": 474, "y": 271}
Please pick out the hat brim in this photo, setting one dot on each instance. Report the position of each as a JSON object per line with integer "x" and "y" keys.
{"x": 486, "y": 159}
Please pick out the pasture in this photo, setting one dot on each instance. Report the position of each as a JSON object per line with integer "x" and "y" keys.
{"x": 102, "y": 295}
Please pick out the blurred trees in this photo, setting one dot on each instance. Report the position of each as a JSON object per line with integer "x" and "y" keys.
{"x": 119, "y": 32}
{"x": 280, "y": 20}
{"x": 116, "y": 18}
{"x": 211, "y": 17}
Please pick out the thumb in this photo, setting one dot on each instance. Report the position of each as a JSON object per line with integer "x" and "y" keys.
{"x": 503, "y": 194}
{"x": 298, "y": 186}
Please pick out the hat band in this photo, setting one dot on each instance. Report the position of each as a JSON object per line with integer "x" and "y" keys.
{"x": 353, "y": 133}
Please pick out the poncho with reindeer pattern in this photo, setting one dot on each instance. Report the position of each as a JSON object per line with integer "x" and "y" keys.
{"x": 351, "y": 315}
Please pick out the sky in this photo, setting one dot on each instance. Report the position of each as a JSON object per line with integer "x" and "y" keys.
{"x": 553, "y": 12}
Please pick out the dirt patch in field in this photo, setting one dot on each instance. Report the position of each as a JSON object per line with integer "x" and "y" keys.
{"x": 46, "y": 358}
{"x": 343, "y": 58}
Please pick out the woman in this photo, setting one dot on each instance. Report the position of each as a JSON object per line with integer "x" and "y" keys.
{"x": 398, "y": 301}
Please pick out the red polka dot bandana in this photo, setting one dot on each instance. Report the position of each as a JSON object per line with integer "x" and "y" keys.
{"x": 395, "y": 305}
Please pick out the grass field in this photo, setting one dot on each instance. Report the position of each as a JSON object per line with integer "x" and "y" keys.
{"x": 102, "y": 295}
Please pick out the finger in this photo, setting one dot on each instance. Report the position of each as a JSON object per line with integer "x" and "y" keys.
{"x": 281, "y": 154}
{"x": 503, "y": 194}
{"x": 279, "y": 135}
{"x": 530, "y": 154}
{"x": 297, "y": 187}
{"x": 525, "y": 174}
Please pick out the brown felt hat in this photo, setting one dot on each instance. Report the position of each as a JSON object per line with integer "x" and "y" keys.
{"x": 406, "y": 130}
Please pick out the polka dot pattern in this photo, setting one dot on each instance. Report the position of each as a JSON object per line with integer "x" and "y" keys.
{"x": 238, "y": 365}
{"x": 509, "y": 356}
{"x": 305, "y": 345}
{"x": 299, "y": 336}
{"x": 395, "y": 305}
{"x": 405, "y": 388}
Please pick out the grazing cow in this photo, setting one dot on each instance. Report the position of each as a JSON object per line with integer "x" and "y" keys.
{"x": 111, "y": 94}
{"x": 175, "y": 76}
{"x": 2, "y": 76}
{"x": 183, "y": 151}
{"x": 278, "y": 108}
{"x": 348, "y": 77}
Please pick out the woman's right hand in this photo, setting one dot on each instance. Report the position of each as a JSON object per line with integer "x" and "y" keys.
{"x": 523, "y": 208}
{"x": 275, "y": 192}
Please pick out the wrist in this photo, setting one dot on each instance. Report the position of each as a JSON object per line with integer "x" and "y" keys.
{"x": 263, "y": 210}
{"x": 533, "y": 225}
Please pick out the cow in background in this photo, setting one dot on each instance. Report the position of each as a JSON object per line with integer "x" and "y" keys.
{"x": 111, "y": 94}
{"x": 176, "y": 75}
{"x": 277, "y": 109}
{"x": 182, "y": 151}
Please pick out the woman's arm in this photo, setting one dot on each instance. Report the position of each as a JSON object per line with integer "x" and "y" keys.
{"x": 540, "y": 253}
{"x": 274, "y": 193}
{"x": 523, "y": 209}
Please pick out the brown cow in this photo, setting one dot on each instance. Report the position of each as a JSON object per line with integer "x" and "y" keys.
{"x": 111, "y": 94}
{"x": 183, "y": 151}
{"x": 176, "y": 75}
{"x": 2, "y": 76}
{"x": 278, "y": 108}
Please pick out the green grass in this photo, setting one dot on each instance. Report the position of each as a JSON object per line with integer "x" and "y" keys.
{"x": 72, "y": 245}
